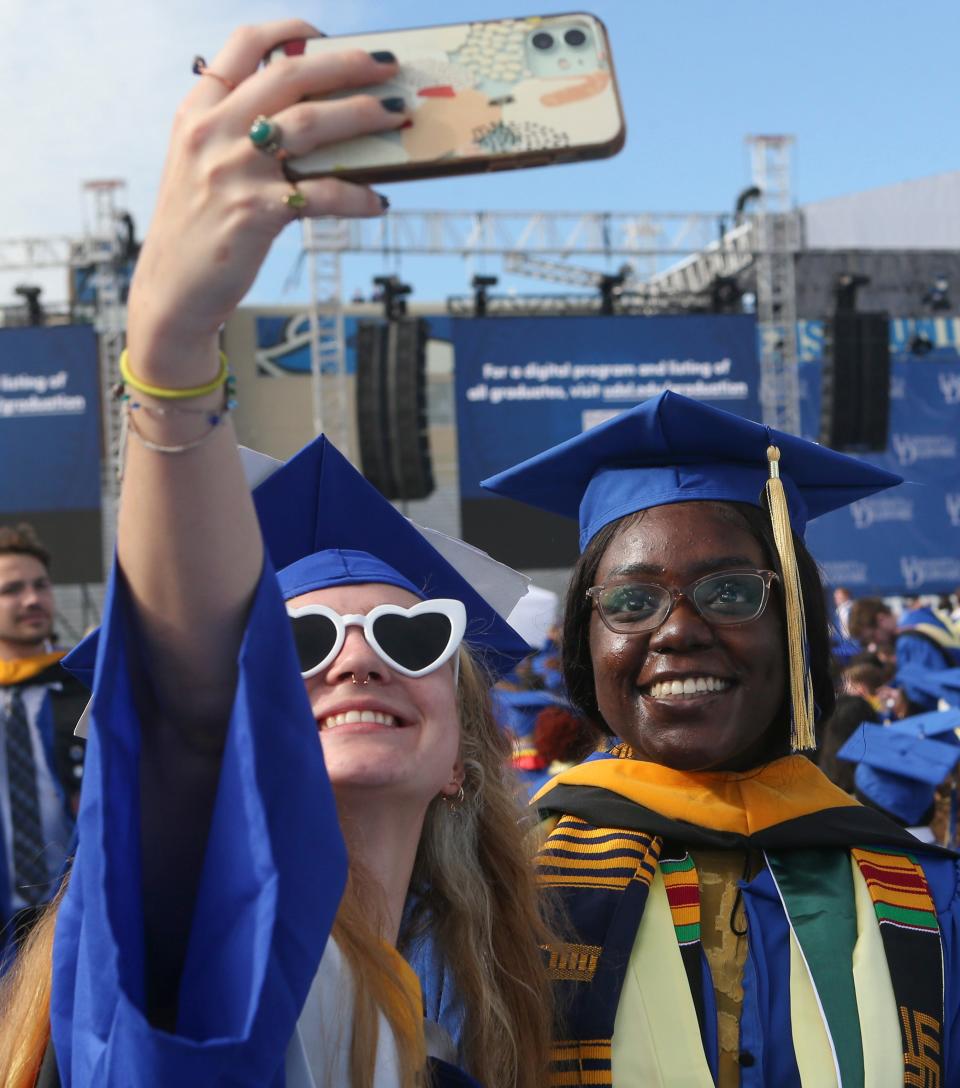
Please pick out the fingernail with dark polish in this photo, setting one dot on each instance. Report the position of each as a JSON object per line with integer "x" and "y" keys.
{"x": 384, "y": 201}
{"x": 384, "y": 56}
{"x": 393, "y": 105}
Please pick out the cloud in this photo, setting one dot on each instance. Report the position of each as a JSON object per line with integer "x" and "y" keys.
{"x": 89, "y": 92}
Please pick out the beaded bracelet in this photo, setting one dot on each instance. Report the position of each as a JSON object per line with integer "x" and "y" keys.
{"x": 162, "y": 392}
{"x": 214, "y": 418}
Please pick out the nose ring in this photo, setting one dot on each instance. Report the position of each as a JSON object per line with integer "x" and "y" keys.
{"x": 354, "y": 680}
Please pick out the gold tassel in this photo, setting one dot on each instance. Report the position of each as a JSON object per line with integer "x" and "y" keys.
{"x": 802, "y": 734}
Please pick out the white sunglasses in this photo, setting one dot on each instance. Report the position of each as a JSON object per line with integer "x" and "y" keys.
{"x": 411, "y": 641}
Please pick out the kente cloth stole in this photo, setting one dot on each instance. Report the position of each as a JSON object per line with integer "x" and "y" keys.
{"x": 602, "y": 877}
{"x": 911, "y": 940}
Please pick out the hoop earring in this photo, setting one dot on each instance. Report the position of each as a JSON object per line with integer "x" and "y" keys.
{"x": 455, "y": 802}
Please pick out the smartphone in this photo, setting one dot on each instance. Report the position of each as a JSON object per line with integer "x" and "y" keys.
{"x": 500, "y": 94}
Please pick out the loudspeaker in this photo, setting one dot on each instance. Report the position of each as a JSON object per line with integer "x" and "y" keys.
{"x": 855, "y": 382}
{"x": 372, "y": 404}
{"x": 392, "y": 407}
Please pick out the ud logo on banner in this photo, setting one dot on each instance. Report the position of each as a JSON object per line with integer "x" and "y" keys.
{"x": 910, "y": 448}
{"x": 952, "y": 502}
{"x": 845, "y": 572}
{"x": 867, "y": 512}
{"x": 919, "y": 571}
{"x": 950, "y": 387}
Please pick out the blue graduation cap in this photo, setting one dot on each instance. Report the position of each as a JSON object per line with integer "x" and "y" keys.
{"x": 671, "y": 449}
{"x": 937, "y": 683}
{"x": 518, "y": 710}
{"x": 941, "y": 725}
{"x": 898, "y": 768}
{"x": 323, "y": 524}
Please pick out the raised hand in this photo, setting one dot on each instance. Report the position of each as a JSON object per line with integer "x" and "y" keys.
{"x": 221, "y": 200}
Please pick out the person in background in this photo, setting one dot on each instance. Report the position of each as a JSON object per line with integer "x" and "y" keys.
{"x": 562, "y": 738}
{"x": 859, "y": 701}
{"x": 922, "y": 636}
{"x": 516, "y": 710}
{"x": 842, "y": 603}
{"x": 41, "y": 762}
{"x": 545, "y": 665}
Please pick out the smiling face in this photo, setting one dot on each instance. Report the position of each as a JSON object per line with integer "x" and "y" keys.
{"x": 391, "y": 733}
{"x": 733, "y": 719}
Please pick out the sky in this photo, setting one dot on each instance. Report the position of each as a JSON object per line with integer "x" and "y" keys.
{"x": 865, "y": 87}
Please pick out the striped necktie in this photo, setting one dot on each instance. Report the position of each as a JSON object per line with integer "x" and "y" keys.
{"x": 29, "y": 867}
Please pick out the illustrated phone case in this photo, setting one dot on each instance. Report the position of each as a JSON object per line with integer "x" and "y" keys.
{"x": 490, "y": 95}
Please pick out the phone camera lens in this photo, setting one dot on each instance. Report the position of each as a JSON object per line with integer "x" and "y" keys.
{"x": 542, "y": 40}
{"x": 574, "y": 37}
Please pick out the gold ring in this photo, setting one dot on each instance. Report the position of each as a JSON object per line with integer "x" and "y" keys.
{"x": 295, "y": 200}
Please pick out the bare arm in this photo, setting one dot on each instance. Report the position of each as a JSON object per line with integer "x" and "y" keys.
{"x": 188, "y": 542}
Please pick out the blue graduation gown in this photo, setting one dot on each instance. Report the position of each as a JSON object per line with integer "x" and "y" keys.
{"x": 273, "y": 876}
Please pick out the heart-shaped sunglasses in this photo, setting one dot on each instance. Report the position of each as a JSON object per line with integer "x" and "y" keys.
{"x": 412, "y": 641}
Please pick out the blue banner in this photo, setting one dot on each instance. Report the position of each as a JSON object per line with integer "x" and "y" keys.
{"x": 50, "y": 413}
{"x": 523, "y": 384}
{"x": 906, "y": 540}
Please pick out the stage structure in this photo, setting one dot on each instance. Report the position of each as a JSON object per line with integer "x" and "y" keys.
{"x": 99, "y": 248}
{"x": 666, "y": 260}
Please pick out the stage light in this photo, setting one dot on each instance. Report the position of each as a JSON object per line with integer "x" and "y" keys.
{"x": 725, "y": 295}
{"x": 937, "y": 297}
{"x": 480, "y": 285}
{"x": 31, "y": 299}
{"x": 392, "y": 293}
{"x": 845, "y": 291}
{"x": 129, "y": 245}
{"x": 610, "y": 286}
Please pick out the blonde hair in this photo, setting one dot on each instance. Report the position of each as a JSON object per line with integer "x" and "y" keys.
{"x": 25, "y": 1005}
{"x": 476, "y": 895}
{"x": 377, "y": 989}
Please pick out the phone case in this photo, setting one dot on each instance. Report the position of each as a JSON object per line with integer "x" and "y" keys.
{"x": 492, "y": 95}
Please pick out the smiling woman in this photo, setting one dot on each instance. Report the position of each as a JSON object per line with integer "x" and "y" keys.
{"x": 732, "y": 723}
{"x": 749, "y": 919}
{"x": 270, "y": 822}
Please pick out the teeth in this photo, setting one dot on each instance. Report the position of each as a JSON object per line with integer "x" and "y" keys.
{"x": 351, "y": 716}
{"x": 691, "y": 685}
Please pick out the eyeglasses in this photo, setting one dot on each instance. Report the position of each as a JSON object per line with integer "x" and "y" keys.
{"x": 412, "y": 641}
{"x": 732, "y": 596}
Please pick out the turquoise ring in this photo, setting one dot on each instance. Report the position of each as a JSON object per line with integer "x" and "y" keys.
{"x": 265, "y": 135}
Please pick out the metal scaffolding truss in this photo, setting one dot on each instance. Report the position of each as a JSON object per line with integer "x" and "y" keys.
{"x": 664, "y": 256}
{"x": 565, "y": 234}
{"x": 543, "y": 245}
{"x": 98, "y": 248}
{"x": 778, "y": 237}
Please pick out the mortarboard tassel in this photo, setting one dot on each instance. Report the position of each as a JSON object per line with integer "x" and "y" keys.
{"x": 801, "y": 689}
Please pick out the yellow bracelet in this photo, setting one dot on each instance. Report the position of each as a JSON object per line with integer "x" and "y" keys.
{"x": 164, "y": 392}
